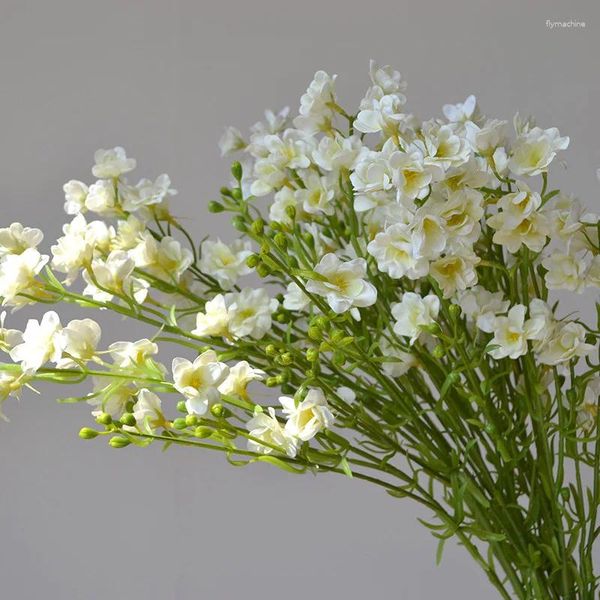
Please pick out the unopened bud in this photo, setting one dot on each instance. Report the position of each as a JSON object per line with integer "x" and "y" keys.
{"x": 128, "y": 419}
{"x": 181, "y": 407}
{"x": 202, "y": 431}
{"x": 280, "y": 241}
{"x": 271, "y": 382}
{"x": 236, "y": 194}
{"x": 271, "y": 351}
{"x": 236, "y": 170}
{"x": 239, "y": 223}
{"x": 339, "y": 359}
{"x": 314, "y": 333}
{"x": 217, "y": 410}
{"x": 258, "y": 227}
{"x": 438, "y": 351}
{"x": 312, "y": 355}
{"x": 253, "y": 261}
{"x": 104, "y": 419}
{"x": 337, "y": 335}
{"x": 290, "y": 211}
{"x": 119, "y": 442}
{"x": 179, "y": 423}
{"x": 262, "y": 270}
{"x": 87, "y": 433}
{"x": 287, "y": 359}
{"x": 215, "y": 207}
{"x": 454, "y": 311}
{"x": 191, "y": 420}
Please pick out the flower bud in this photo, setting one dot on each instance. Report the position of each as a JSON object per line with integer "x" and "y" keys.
{"x": 258, "y": 227}
{"x": 338, "y": 358}
{"x": 432, "y": 328}
{"x": 322, "y": 323}
{"x": 179, "y": 423}
{"x": 262, "y": 270}
{"x": 236, "y": 194}
{"x": 290, "y": 211}
{"x": 119, "y": 442}
{"x": 202, "y": 431}
{"x": 438, "y": 351}
{"x": 337, "y": 335}
{"x": 312, "y": 355}
{"x": 239, "y": 223}
{"x": 215, "y": 207}
{"x": 87, "y": 433}
{"x": 271, "y": 382}
{"x": 454, "y": 311}
{"x": 280, "y": 241}
{"x": 181, "y": 407}
{"x": 253, "y": 261}
{"x": 217, "y": 410}
{"x": 191, "y": 420}
{"x": 453, "y": 377}
{"x": 271, "y": 351}
{"x": 314, "y": 333}
{"x": 225, "y": 191}
{"x": 236, "y": 170}
{"x": 128, "y": 419}
{"x": 104, "y": 419}
{"x": 287, "y": 359}
{"x": 308, "y": 238}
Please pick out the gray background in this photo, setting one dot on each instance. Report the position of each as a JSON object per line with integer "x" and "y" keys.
{"x": 81, "y": 521}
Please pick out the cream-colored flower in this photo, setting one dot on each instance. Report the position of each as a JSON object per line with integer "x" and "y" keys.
{"x": 112, "y": 163}
{"x": 342, "y": 283}
{"x": 535, "y": 149}
{"x": 132, "y": 354}
{"x": 75, "y": 196}
{"x": 240, "y": 375}
{"x": 41, "y": 343}
{"x": 214, "y": 321}
{"x": 482, "y": 306}
{"x": 567, "y": 271}
{"x": 566, "y": 343}
{"x": 80, "y": 338}
{"x": 250, "y": 312}
{"x": 225, "y": 262}
{"x": 148, "y": 411}
{"x": 512, "y": 332}
{"x": 199, "y": 381}
{"x": 306, "y": 418}
{"x": 266, "y": 428}
{"x": 18, "y": 274}
{"x": 15, "y": 239}
{"x": 295, "y": 298}
{"x": 455, "y": 272}
{"x": 413, "y": 313}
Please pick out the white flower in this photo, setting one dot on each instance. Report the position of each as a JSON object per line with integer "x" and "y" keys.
{"x": 381, "y": 114}
{"x": 343, "y": 284}
{"x": 317, "y": 197}
{"x": 240, "y": 375}
{"x": 266, "y": 428}
{"x": 285, "y": 197}
{"x": 566, "y": 343}
{"x": 75, "y": 196}
{"x": 42, "y": 342}
{"x": 16, "y": 239}
{"x": 372, "y": 181}
{"x": 17, "y": 276}
{"x": 455, "y": 272}
{"x": 214, "y": 321}
{"x": 410, "y": 175}
{"x": 308, "y": 417}
{"x": 335, "y": 152}
{"x": 290, "y": 151}
{"x": 9, "y": 338}
{"x": 535, "y": 149}
{"x": 429, "y": 234}
{"x": 198, "y": 381}
{"x": 567, "y": 271}
{"x": 587, "y": 415}
{"x": 295, "y": 298}
{"x": 487, "y": 138}
{"x": 166, "y": 258}
{"x": 132, "y": 354}
{"x": 442, "y": 146}
{"x": 112, "y": 163}
{"x": 273, "y": 124}
{"x": 315, "y": 111}
{"x": 462, "y": 213}
{"x": 148, "y": 411}
{"x": 226, "y": 263}
{"x": 463, "y": 111}
{"x": 512, "y": 332}
{"x": 146, "y": 193}
{"x": 397, "y": 361}
{"x": 387, "y": 79}
{"x": 112, "y": 399}
{"x": 80, "y": 338}
{"x": 231, "y": 141}
{"x": 413, "y": 313}
{"x": 101, "y": 197}
{"x": 395, "y": 253}
{"x": 113, "y": 276}
{"x": 250, "y": 312}
{"x": 481, "y": 306}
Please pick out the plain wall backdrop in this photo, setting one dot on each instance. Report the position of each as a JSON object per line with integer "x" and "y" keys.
{"x": 79, "y": 520}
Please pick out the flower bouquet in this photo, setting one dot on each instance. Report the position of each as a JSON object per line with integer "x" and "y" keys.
{"x": 393, "y": 279}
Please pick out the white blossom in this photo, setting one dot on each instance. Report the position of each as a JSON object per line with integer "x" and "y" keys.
{"x": 295, "y": 298}
{"x": 148, "y": 411}
{"x": 198, "y": 381}
{"x": 214, "y": 321}
{"x": 41, "y": 343}
{"x": 414, "y": 313}
{"x": 267, "y": 429}
{"x": 75, "y": 196}
{"x": 240, "y": 375}
{"x": 343, "y": 284}
{"x": 15, "y": 239}
{"x": 512, "y": 332}
{"x": 306, "y": 418}
{"x": 231, "y": 141}
{"x": 250, "y": 312}
{"x": 482, "y": 306}
{"x": 101, "y": 197}
{"x": 566, "y": 343}
{"x": 112, "y": 163}
{"x": 18, "y": 274}
{"x": 535, "y": 149}
{"x": 80, "y": 339}
{"x": 225, "y": 262}
{"x": 132, "y": 354}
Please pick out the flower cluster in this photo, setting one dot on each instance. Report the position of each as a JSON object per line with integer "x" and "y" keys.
{"x": 406, "y": 310}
